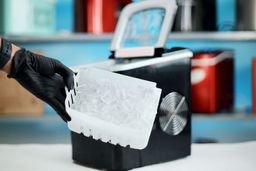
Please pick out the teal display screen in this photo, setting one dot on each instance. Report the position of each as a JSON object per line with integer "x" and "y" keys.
{"x": 143, "y": 28}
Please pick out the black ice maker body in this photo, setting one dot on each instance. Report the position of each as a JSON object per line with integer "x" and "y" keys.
{"x": 171, "y": 134}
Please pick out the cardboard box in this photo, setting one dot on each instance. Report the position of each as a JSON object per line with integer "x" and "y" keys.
{"x": 17, "y": 101}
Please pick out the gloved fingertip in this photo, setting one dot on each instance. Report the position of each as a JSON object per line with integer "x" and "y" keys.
{"x": 68, "y": 118}
{"x": 65, "y": 117}
{"x": 59, "y": 107}
{"x": 69, "y": 80}
{"x": 70, "y": 84}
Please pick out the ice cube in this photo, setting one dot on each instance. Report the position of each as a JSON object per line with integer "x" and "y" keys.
{"x": 115, "y": 101}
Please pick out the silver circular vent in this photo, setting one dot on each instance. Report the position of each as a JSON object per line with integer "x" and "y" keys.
{"x": 174, "y": 111}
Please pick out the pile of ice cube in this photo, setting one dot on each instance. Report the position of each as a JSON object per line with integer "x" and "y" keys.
{"x": 120, "y": 102}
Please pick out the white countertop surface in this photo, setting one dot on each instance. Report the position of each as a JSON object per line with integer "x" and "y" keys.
{"x": 210, "y": 157}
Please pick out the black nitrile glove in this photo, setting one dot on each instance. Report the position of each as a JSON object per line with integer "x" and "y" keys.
{"x": 44, "y": 77}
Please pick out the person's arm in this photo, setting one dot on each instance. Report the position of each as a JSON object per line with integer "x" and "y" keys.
{"x": 44, "y": 77}
{"x": 7, "y": 66}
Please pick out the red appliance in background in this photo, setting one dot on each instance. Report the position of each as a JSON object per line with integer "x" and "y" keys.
{"x": 212, "y": 81}
{"x": 254, "y": 86}
{"x": 101, "y": 16}
{"x": 97, "y": 16}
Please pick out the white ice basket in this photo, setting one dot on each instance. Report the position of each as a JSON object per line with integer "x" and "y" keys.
{"x": 112, "y": 107}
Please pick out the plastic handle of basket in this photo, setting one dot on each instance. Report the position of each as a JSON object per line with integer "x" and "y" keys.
{"x": 67, "y": 97}
{"x": 66, "y": 90}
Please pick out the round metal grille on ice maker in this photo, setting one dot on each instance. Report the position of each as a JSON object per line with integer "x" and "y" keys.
{"x": 174, "y": 111}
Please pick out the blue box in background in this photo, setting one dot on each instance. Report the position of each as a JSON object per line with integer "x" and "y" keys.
{"x": 64, "y": 16}
{"x": 27, "y": 17}
{"x": 226, "y": 15}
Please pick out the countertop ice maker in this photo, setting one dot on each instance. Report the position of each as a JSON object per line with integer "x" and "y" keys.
{"x": 138, "y": 51}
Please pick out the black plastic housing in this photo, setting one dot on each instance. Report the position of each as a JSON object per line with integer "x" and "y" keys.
{"x": 173, "y": 76}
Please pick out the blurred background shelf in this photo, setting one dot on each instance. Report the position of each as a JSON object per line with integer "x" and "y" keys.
{"x": 84, "y": 37}
{"x": 78, "y": 47}
{"x": 222, "y": 128}
{"x": 206, "y": 36}
{"x": 219, "y": 36}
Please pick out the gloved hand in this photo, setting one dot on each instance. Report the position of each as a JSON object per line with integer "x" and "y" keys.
{"x": 44, "y": 77}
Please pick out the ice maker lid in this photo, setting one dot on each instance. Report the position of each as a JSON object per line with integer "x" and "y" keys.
{"x": 143, "y": 28}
